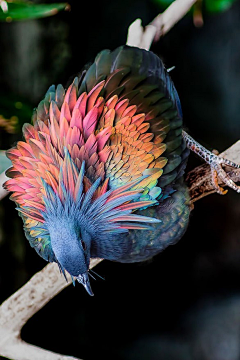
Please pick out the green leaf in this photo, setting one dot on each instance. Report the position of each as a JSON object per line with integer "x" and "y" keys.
{"x": 26, "y": 11}
{"x": 5, "y": 163}
{"x": 209, "y": 5}
{"x": 218, "y": 5}
{"x": 15, "y": 110}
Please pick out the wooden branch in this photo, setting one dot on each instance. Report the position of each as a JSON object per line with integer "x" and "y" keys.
{"x": 144, "y": 37}
{"x": 175, "y": 12}
{"x": 3, "y": 192}
{"x": 21, "y": 306}
{"x": 140, "y": 37}
{"x": 4, "y": 6}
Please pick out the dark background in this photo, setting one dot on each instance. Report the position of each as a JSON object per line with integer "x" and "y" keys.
{"x": 185, "y": 303}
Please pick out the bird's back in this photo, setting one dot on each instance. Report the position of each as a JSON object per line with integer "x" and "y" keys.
{"x": 144, "y": 113}
{"x": 146, "y": 139}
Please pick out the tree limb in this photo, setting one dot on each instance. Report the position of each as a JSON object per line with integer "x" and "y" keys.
{"x": 21, "y": 306}
{"x": 3, "y": 192}
{"x": 144, "y": 37}
{"x": 175, "y": 12}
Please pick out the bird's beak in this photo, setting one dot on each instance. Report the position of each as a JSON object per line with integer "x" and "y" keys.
{"x": 84, "y": 280}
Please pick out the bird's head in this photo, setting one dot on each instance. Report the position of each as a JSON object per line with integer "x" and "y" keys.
{"x": 71, "y": 246}
{"x": 66, "y": 220}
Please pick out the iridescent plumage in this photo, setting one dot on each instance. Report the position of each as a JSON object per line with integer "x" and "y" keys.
{"x": 100, "y": 171}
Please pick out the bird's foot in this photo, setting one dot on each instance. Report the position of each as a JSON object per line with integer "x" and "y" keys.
{"x": 215, "y": 162}
{"x": 218, "y": 173}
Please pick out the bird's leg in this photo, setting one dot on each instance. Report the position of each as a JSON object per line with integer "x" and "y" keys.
{"x": 215, "y": 163}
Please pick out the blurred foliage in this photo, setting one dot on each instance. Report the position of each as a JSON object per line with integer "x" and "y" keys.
{"x": 14, "y": 112}
{"x": 208, "y": 5}
{"x": 9, "y": 125}
{"x": 22, "y": 10}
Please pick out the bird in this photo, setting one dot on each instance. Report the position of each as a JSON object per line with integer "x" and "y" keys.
{"x": 100, "y": 171}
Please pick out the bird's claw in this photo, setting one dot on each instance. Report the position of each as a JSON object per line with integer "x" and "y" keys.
{"x": 219, "y": 173}
{"x": 215, "y": 161}
{"x": 216, "y": 186}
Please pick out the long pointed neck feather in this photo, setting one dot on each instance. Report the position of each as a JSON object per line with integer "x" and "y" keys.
{"x": 111, "y": 211}
{"x": 65, "y": 242}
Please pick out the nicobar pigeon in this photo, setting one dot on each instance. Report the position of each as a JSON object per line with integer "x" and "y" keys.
{"x": 100, "y": 170}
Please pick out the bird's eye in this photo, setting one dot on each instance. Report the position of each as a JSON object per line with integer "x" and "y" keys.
{"x": 83, "y": 245}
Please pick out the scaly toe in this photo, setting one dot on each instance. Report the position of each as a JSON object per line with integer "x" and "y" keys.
{"x": 215, "y": 163}
{"x": 218, "y": 172}
{"x": 216, "y": 186}
{"x": 224, "y": 161}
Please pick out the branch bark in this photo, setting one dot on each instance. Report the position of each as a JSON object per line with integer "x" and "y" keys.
{"x": 144, "y": 37}
{"x": 175, "y": 12}
{"x": 21, "y": 306}
{"x": 3, "y": 192}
